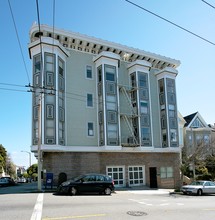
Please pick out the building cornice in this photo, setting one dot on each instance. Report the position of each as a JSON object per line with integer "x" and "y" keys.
{"x": 77, "y": 41}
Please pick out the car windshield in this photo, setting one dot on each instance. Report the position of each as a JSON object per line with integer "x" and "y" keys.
{"x": 197, "y": 183}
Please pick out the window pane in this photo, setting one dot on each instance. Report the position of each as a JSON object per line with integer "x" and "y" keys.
{"x": 144, "y": 107}
{"x": 89, "y": 100}
{"x": 90, "y": 129}
{"x": 110, "y": 76}
{"x": 89, "y": 72}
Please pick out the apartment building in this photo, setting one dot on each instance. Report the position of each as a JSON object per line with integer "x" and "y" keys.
{"x": 99, "y": 106}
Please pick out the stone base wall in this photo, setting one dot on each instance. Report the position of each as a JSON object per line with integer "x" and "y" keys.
{"x": 77, "y": 163}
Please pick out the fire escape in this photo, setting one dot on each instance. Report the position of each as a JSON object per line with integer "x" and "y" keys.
{"x": 129, "y": 115}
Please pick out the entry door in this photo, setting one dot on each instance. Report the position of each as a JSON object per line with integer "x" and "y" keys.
{"x": 153, "y": 177}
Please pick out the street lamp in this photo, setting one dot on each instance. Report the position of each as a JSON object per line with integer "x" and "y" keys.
{"x": 29, "y": 156}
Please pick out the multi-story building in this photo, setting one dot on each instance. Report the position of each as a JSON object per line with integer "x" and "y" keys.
{"x": 100, "y": 106}
{"x": 198, "y": 136}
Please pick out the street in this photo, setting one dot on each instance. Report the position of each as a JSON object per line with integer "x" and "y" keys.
{"x": 18, "y": 202}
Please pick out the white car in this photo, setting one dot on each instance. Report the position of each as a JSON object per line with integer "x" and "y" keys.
{"x": 199, "y": 187}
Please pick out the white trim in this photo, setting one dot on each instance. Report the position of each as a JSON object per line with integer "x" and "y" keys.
{"x": 60, "y": 148}
{"x": 201, "y": 119}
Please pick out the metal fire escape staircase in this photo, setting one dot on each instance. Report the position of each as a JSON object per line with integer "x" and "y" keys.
{"x": 131, "y": 140}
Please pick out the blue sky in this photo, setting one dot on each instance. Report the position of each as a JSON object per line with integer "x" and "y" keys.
{"x": 113, "y": 20}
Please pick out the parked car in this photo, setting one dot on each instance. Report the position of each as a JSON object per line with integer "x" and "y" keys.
{"x": 96, "y": 183}
{"x": 7, "y": 181}
{"x": 199, "y": 187}
{"x": 21, "y": 180}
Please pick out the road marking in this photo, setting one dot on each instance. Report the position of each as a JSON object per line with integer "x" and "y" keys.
{"x": 180, "y": 203}
{"x": 77, "y": 216}
{"x": 164, "y": 204}
{"x": 156, "y": 203}
{"x": 38, "y": 208}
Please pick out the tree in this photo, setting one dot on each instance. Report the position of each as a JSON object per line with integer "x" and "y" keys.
{"x": 201, "y": 160}
{"x": 11, "y": 167}
{"x": 3, "y": 158}
{"x": 32, "y": 171}
{"x": 6, "y": 163}
{"x": 210, "y": 164}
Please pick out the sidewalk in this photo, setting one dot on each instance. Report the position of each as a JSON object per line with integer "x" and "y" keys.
{"x": 145, "y": 190}
{"x": 136, "y": 189}
{"x": 33, "y": 188}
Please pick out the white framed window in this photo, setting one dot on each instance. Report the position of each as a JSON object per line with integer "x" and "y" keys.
{"x": 143, "y": 81}
{"x": 110, "y": 76}
{"x": 173, "y": 135}
{"x": 136, "y": 175}
{"x": 197, "y": 124}
{"x": 166, "y": 172}
{"x": 90, "y": 129}
{"x": 61, "y": 67}
{"x": 145, "y": 132}
{"x": 89, "y": 100}
{"x": 143, "y": 107}
{"x": 49, "y": 62}
{"x": 89, "y": 74}
{"x": 112, "y": 131}
{"x": 37, "y": 65}
{"x": 118, "y": 175}
{"x": 111, "y": 102}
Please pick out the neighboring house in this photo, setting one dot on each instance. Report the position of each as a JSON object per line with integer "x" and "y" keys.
{"x": 100, "y": 106}
{"x": 197, "y": 136}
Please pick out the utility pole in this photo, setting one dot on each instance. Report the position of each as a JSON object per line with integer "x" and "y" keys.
{"x": 39, "y": 170}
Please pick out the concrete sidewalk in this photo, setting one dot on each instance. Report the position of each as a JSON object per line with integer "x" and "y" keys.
{"x": 33, "y": 188}
{"x": 144, "y": 190}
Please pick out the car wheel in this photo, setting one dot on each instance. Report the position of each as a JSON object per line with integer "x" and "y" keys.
{"x": 199, "y": 192}
{"x": 73, "y": 191}
{"x": 107, "y": 191}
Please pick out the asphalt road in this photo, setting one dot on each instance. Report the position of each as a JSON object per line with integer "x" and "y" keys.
{"x": 23, "y": 202}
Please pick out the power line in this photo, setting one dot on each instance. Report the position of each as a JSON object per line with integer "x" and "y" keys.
{"x": 46, "y": 91}
{"x": 209, "y": 4}
{"x": 20, "y": 47}
{"x": 182, "y": 28}
{"x": 9, "y": 84}
{"x": 14, "y": 90}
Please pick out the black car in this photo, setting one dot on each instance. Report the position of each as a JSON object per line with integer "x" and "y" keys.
{"x": 96, "y": 183}
{"x": 7, "y": 181}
